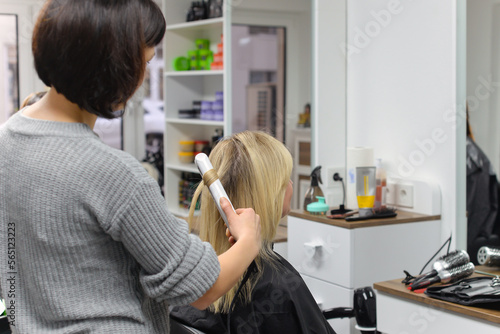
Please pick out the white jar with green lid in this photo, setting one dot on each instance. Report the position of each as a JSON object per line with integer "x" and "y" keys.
{"x": 319, "y": 207}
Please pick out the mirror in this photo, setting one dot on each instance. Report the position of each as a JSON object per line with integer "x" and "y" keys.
{"x": 258, "y": 78}
{"x": 289, "y": 22}
{"x": 9, "y": 69}
{"x": 483, "y": 76}
{"x": 483, "y": 144}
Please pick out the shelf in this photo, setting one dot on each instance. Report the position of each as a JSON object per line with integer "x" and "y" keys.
{"x": 191, "y": 168}
{"x": 194, "y": 122}
{"x": 181, "y": 88}
{"x": 193, "y": 73}
{"x": 197, "y": 25}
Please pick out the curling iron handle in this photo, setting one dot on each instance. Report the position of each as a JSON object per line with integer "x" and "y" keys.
{"x": 217, "y": 192}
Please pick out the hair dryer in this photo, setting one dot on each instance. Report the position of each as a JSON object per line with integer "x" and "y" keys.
{"x": 364, "y": 310}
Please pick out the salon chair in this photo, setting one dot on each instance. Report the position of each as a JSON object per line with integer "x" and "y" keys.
{"x": 178, "y": 328}
{"x": 364, "y": 310}
{"x": 4, "y": 326}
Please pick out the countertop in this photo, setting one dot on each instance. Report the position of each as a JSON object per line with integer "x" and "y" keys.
{"x": 402, "y": 218}
{"x": 486, "y": 312}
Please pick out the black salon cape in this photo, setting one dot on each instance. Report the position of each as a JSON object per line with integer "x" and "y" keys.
{"x": 281, "y": 303}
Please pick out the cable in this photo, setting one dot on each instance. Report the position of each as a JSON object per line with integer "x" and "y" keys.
{"x": 336, "y": 177}
{"x": 343, "y": 191}
{"x": 448, "y": 241}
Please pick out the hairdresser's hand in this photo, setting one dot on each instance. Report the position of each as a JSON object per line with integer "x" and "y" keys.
{"x": 230, "y": 238}
{"x": 245, "y": 228}
{"x": 244, "y": 225}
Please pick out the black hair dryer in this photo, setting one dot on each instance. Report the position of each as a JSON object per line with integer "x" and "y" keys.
{"x": 364, "y": 310}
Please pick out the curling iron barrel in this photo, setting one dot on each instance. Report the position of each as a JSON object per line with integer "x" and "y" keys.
{"x": 451, "y": 260}
{"x": 457, "y": 273}
{"x": 211, "y": 180}
{"x": 445, "y": 276}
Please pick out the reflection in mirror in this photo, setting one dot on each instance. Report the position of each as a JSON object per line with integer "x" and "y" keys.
{"x": 154, "y": 117}
{"x": 258, "y": 76}
{"x": 9, "y": 71}
{"x": 483, "y": 135}
{"x": 293, "y": 20}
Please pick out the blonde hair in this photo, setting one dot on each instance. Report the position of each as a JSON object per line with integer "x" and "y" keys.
{"x": 255, "y": 170}
{"x": 32, "y": 99}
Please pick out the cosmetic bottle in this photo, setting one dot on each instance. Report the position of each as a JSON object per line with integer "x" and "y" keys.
{"x": 314, "y": 190}
{"x": 381, "y": 180}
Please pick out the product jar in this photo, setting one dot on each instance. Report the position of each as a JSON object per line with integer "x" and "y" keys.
{"x": 186, "y": 145}
{"x": 199, "y": 145}
{"x": 206, "y": 111}
{"x": 186, "y": 157}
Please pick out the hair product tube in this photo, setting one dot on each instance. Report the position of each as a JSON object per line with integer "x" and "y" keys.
{"x": 365, "y": 189}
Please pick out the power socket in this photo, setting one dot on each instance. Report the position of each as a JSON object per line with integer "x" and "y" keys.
{"x": 390, "y": 193}
{"x": 399, "y": 194}
{"x": 330, "y": 171}
{"x": 405, "y": 195}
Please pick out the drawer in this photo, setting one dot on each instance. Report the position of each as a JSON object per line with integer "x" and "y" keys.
{"x": 328, "y": 296}
{"x": 321, "y": 251}
{"x": 381, "y": 253}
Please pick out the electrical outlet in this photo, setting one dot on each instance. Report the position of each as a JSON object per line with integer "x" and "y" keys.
{"x": 390, "y": 193}
{"x": 404, "y": 195}
{"x": 399, "y": 194}
{"x": 330, "y": 171}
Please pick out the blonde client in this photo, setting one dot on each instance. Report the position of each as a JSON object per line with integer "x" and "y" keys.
{"x": 255, "y": 170}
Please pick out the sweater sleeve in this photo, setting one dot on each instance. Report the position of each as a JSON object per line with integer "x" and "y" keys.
{"x": 175, "y": 266}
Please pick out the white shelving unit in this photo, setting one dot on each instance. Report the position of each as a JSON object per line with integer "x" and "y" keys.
{"x": 184, "y": 87}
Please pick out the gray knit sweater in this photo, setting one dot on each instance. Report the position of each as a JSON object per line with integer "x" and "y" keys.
{"x": 87, "y": 244}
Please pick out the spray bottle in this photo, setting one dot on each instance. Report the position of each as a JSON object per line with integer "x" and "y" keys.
{"x": 381, "y": 179}
{"x": 314, "y": 190}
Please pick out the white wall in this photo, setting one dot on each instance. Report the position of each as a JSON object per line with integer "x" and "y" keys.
{"x": 401, "y": 94}
{"x": 329, "y": 93}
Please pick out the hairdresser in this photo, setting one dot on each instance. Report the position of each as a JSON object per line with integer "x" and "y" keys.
{"x": 88, "y": 245}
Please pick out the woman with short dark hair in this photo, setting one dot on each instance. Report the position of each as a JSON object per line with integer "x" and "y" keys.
{"x": 88, "y": 245}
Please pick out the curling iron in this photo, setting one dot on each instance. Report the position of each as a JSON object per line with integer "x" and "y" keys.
{"x": 453, "y": 259}
{"x": 211, "y": 180}
{"x": 446, "y": 276}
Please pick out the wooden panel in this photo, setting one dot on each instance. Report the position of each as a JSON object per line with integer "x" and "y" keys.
{"x": 396, "y": 288}
{"x": 304, "y": 153}
{"x": 401, "y": 218}
{"x": 304, "y": 177}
